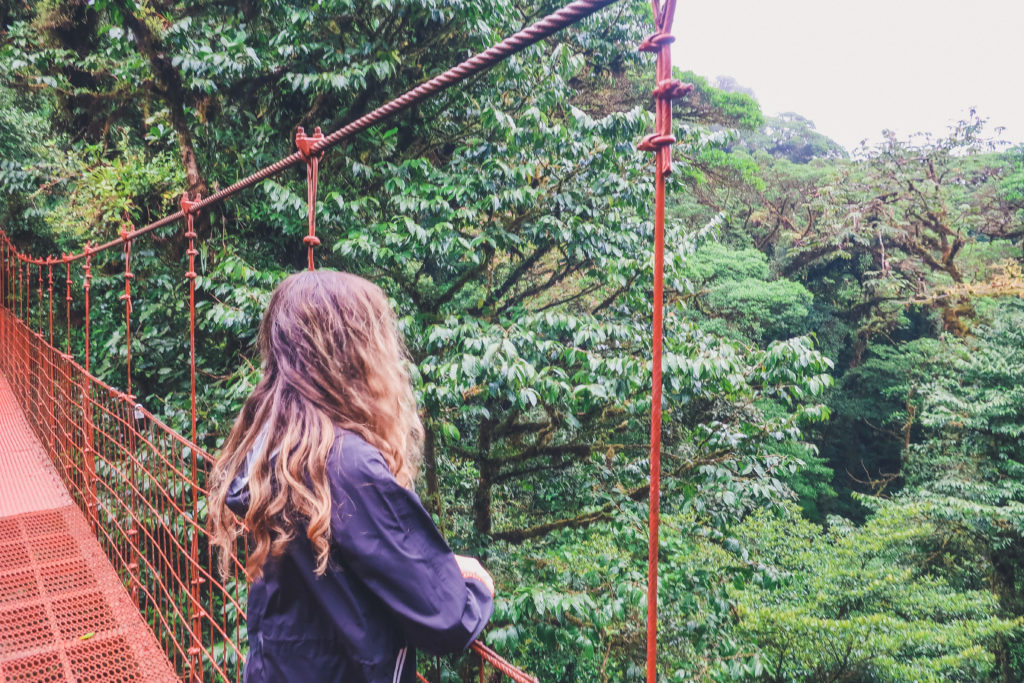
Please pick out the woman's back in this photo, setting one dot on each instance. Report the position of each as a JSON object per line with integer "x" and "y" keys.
{"x": 392, "y": 585}
{"x": 350, "y": 573}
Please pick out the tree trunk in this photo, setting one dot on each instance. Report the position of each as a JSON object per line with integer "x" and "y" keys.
{"x": 430, "y": 466}
{"x": 482, "y": 497}
{"x": 171, "y": 90}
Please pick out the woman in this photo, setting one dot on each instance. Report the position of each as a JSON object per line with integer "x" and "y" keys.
{"x": 349, "y": 572}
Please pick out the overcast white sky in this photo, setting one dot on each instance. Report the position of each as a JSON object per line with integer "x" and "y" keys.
{"x": 857, "y": 67}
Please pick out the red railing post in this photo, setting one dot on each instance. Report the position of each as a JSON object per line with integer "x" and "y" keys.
{"x": 127, "y": 299}
{"x": 67, "y": 302}
{"x": 67, "y": 446}
{"x": 50, "y": 375}
{"x": 97, "y": 416}
{"x": 195, "y": 580}
{"x": 129, "y": 424}
{"x": 28, "y": 295}
{"x": 49, "y": 268}
{"x": 39, "y": 274}
{"x": 305, "y": 144}
{"x": 4, "y": 344}
{"x": 25, "y": 286}
{"x": 89, "y": 455}
{"x": 660, "y": 143}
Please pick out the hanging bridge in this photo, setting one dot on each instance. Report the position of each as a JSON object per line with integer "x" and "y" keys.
{"x": 106, "y": 567}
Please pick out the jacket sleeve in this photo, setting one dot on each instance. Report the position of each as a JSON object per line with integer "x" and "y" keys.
{"x": 388, "y": 540}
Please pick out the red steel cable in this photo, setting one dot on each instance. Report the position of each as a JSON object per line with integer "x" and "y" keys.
{"x": 39, "y": 301}
{"x": 499, "y": 663}
{"x": 49, "y": 267}
{"x": 305, "y": 144}
{"x": 89, "y": 450}
{"x": 87, "y": 279}
{"x": 188, "y": 208}
{"x": 67, "y": 302}
{"x": 51, "y": 398}
{"x": 473, "y": 66}
{"x": 132, "y": 533}
{"x": 660, "y": 143}
{"x": 127, "y": 299}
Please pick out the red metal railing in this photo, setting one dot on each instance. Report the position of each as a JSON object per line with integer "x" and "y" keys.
{"x": 132, "y": 477}
{"x": 140, "y": 482}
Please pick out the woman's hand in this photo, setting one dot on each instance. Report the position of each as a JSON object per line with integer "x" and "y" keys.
{"x": 471, "y": 568}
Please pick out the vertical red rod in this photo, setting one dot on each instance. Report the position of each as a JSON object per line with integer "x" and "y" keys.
{"x": 50, "y": 360}
{"x": 27, "y": 316}
{"x": 660, "y": 143}
{"x": 305, "y": 144}
{"x": 194, "y": 651}
{"x": 127, "y": 299}
{"x": 190, "y": 275}
{"x": 3, "y": 275}
{"x": 88, "y": 286}
{"x": 67, "y": 303}
{"x": 4, "y": 283}
{"x": 133, "y": 532}
{"x": 39, "y": 292}
{"x": 655, "y": 484}
{"x": 49, "y": 268}
{"x": 36, "y": 349}
{"x": 90, "y": 454}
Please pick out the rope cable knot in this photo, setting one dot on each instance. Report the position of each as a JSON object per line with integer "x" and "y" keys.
{"x": 308, "y": 147}
{"x": 656, "y": 41}
{"x": 66, "y": 259}
{"x": 667, "y": 88}
{"x": 189, "y": 209}
{"x": 128, "y": 274}
{"x": 87, "y": 269}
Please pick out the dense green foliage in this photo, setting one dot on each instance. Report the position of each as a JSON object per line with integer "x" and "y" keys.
{"x": 844, "y": 475}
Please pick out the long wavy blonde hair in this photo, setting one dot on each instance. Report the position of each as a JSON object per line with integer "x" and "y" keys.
{"x": 332, "y": 357}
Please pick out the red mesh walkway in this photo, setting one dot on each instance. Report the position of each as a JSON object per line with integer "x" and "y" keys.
{"x": 142, "y": 485}
{"x": 64, "y": 614}
{"x": 28, "y": 482}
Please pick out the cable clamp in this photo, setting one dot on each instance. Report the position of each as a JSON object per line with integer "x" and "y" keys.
{"x": 671, "y": 89}
{"x": 188, "y": 205}
{"x": 655, "y": 41}
{"x": 305, "y": 143}
{"x": 654, "y": 142}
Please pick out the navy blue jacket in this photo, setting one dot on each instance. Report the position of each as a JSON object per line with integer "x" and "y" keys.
{"x": 392, "y": 585}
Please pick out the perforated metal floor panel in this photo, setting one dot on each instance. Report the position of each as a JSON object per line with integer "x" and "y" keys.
{"x": 28, "y": 481}
{"x": 64, "y": 614}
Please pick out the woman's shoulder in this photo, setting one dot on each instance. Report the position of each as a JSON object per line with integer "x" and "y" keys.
{"x": 355, "y": 459}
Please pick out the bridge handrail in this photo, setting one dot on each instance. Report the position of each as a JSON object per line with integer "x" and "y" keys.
{"x": 59, "y": 366}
